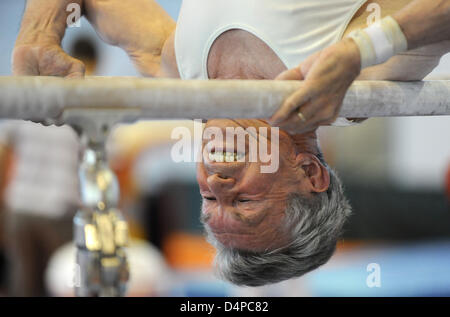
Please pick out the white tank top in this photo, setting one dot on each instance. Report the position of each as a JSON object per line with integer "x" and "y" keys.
{"x": 293, "y": 29}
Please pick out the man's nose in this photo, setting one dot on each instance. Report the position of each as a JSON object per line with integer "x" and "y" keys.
{"x": 219, "y": 183}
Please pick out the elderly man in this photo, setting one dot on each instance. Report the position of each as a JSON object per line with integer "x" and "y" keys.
{"x": 266, "y": 227}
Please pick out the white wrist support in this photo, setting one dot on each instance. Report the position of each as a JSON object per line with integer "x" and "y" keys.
{"x": 380, "y": 41}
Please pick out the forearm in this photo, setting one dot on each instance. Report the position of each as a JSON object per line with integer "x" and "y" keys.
{"x": 45, "y": 21}
{"x": 425, "y": 22}
{"x": 140, "y": 27}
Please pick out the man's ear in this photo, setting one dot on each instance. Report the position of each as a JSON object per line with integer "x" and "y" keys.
{"x": 315, "y": 171}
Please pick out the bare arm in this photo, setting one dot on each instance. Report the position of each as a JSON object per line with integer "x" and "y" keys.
{"x": 140, "y": 27}
{"x": 425, "y": 22}
{"x": 37, "y": 49}
{"x": 329, "y": 73}
{"x": 45, "y": 19}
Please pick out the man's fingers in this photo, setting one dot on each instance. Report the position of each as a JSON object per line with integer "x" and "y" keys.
{"x": 324, "y": 114}
{"x": 291, "y": 74}
{"x": 23, "y": 62}
{"x": 306, "y": 65}
{"x": 75, "y": 75}
{"x": 45, "y": 61}
{"x": 292, "y": 124}
{"x": 292, "y": 103}
{"x": 77, "y": 70}
{"x": 24, "y": 70}
{"x": 294, "y": 118}
{"x": 312, "y": 114}
{"x": 295, "y": 123}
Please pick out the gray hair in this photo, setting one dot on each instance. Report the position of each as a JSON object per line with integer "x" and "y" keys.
{"x": 315, "y": 225}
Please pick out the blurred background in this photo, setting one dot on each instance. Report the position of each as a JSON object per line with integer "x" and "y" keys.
{"x": 396, "y": 172}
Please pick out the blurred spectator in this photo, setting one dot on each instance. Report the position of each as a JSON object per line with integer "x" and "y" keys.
{"x": 43, "y": 194}
{"x": 40, "y": 199}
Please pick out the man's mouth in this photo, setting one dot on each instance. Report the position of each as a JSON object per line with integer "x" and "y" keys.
{"x": 228, "y": 157}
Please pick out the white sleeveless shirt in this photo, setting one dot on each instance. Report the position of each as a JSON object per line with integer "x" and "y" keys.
{"x": 293, "y": 29}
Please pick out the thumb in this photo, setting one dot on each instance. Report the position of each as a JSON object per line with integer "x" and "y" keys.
{"x": 291, "y": 74}
{"x": 301, "y": 71}
{"x": 77, "y": 70}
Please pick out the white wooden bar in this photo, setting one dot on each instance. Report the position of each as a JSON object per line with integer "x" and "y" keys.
{"x": 41, "y": 98}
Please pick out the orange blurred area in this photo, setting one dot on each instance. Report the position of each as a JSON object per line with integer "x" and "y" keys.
{"x": 346, "y": 245}
{"x": 188, "y": 251}
{"x": 6, "y": 168}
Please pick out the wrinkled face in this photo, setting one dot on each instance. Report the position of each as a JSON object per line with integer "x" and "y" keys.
{"x": 242, "y": 207}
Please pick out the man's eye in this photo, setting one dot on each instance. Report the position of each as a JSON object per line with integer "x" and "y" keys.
{"x": 244, "y": 200}
{"x": 209, "y": 198}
